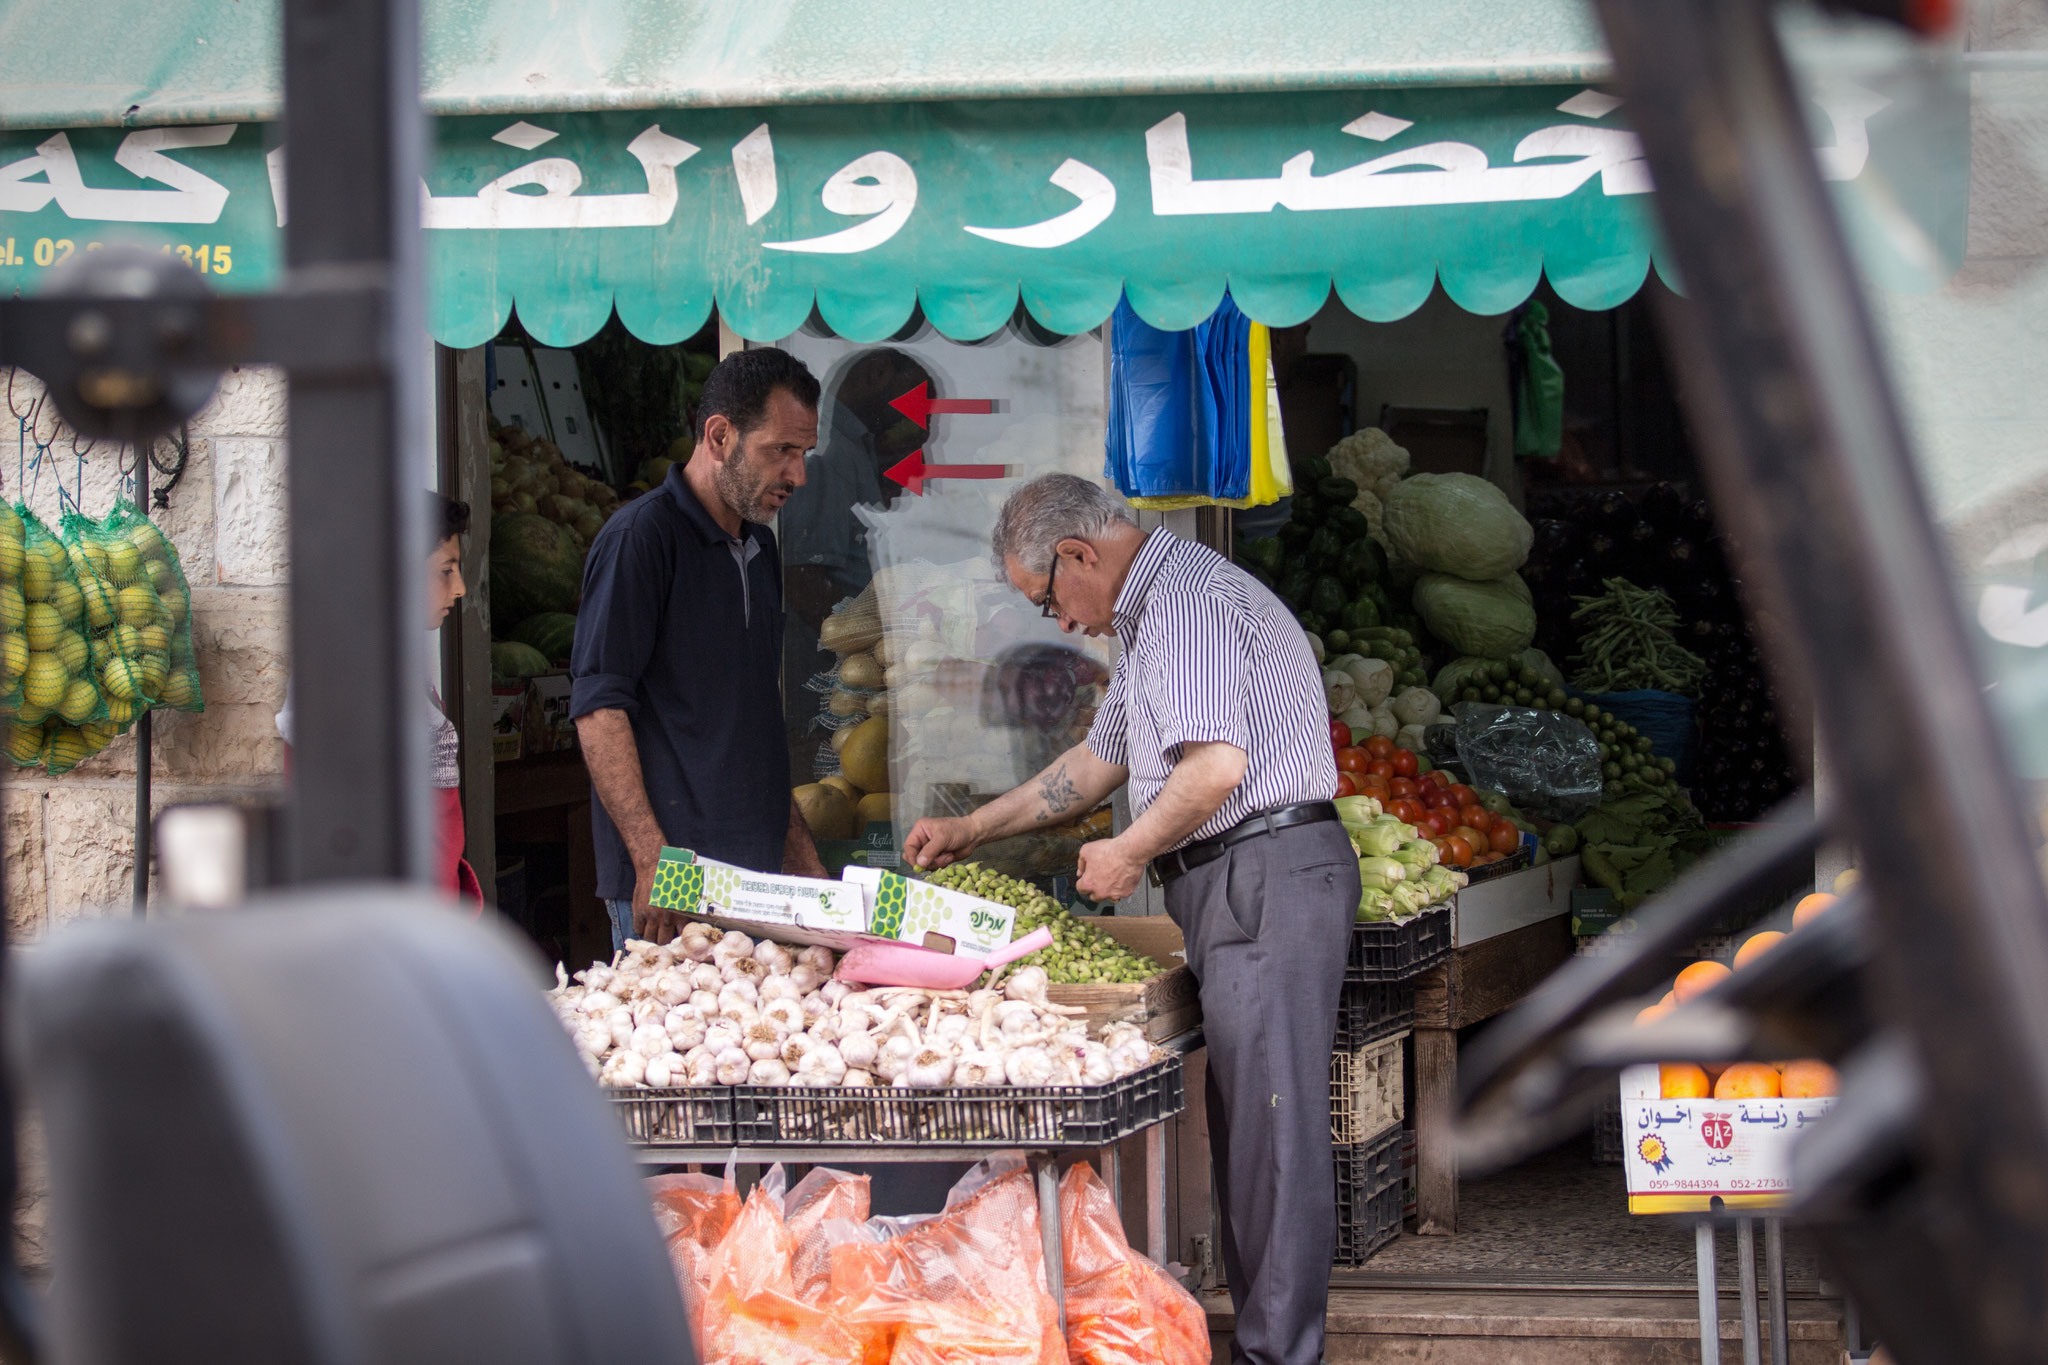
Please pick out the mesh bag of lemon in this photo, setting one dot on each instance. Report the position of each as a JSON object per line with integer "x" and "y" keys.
{"x": 139, "y": 555}
{"x": 13, "y": 611}
{"x": 58, "y": 696}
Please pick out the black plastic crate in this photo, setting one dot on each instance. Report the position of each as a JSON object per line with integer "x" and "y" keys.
{"x": 685, "y": 1116}
{"x": 1394, "y": 950}
{"x": 960, "y": 1116}
{"x": 1368, "y": 1197}
{"x": 1368, "y": 1011}
{"x": 1520, "y": 860}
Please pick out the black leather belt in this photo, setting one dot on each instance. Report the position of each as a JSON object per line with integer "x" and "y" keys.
{"x": 1167, "y": 866}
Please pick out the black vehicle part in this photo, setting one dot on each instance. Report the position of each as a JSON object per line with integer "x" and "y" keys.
{"x": 341, "y": 1128}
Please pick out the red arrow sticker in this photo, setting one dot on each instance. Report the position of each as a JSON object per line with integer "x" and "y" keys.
{"x": 918, "y": 405}
{"x": 912, "y": 471}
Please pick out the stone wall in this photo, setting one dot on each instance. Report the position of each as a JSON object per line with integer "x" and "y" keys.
{"x": 69, "y": 846}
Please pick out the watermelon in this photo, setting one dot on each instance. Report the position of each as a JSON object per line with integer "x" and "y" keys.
{"x": 553, "y": 633}
{"x": 536, "y": 566}
{"x": 512, "y": 660}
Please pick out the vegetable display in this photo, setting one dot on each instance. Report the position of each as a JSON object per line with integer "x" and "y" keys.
{"x": 720, "y": 1008}
{"x": 1401, "y": 872}
{"x": 1080, "y": 955}
{"x": 1628, "y": 642}
{"x": 1490, "y": 619}
{"x": 1456, "y": 524}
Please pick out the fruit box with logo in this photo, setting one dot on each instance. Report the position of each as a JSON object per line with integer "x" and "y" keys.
{"x": 1680, "y": 1155}
{"x": 912, "y": 911}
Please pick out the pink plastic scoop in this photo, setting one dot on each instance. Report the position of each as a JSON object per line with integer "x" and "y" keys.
{"x": 906, "y": 964}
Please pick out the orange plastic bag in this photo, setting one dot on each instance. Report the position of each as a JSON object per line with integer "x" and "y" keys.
{"x": 694, "y": 1213}
{"x": 1121, "y": 1308}
{"x": 820, "y": 1199}
{"x": 752, "y": 1314}
{"x": 964, "y": 1288}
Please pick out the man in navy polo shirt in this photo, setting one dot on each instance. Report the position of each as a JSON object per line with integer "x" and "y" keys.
{"x": 677, "y": 694}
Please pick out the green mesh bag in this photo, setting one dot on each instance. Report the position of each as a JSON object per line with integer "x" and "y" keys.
{"x": 57, "y": 678}
{"x": 160, "y": 569}
{"x": 13, "y": 612}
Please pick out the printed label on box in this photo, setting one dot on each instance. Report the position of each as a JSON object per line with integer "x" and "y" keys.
{"x": 1703, "y": 1148}
{"x": 934, "y": 916}
{"x": 683, "y": 881}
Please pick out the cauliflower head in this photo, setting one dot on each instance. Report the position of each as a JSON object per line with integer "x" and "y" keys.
{"x": 1370, "y": 459}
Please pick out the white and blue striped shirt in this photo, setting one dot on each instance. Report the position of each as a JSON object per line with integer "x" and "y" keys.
{"x": 1209, "y": 654}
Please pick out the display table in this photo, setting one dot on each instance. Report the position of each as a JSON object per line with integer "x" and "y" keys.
{"x": 1042, "y": 1158}
{"x": 1476, "y": 982}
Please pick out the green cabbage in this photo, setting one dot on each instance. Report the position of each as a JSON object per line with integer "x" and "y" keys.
{"x": 1456, "y": 524}
{"x": 1492, "y": 620}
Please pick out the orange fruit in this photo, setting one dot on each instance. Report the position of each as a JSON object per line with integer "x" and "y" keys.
{"x": 1682, "y": 1081}
{"x": 1670, "y": 998}
{"x": 1748, "y": 1081}
{"x": 1698, "y": 978}
{"x": 1756, "y": 947}
{"x": 1810, "y": 906}
{"x": 1809, "y": 1080}
{"x": 1653, "y": 1013}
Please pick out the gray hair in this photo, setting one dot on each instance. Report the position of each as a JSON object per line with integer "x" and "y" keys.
{"x": 1050, "y": 509}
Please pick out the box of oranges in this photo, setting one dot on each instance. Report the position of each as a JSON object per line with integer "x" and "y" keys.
{"x": 1694, "y": 1133}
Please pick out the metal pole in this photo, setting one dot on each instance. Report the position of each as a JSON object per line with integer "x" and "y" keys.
{"x": 1155, "y": 1192}
{"x": 358, "y": 467}
{"x": 1045, "y": 1174}
{"x": 1745, "y": 1253}
{"x": 1774, "y": 1274}
{"x": 143, "y": 826}
{"x": 1710, "y": 1293}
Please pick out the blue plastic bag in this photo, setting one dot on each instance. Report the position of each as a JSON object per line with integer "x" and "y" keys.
{"x": 1180, "y": 406}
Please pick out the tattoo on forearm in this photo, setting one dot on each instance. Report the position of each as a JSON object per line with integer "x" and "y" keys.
{"x": 1058, "y": 793}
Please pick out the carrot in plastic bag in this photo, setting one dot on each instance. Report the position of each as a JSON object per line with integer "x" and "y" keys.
{"x": 822, "y": 1197}
{"x": 752, "y": 1315}
{"x": 964, "y": 1288}
{"x": 1121, "y": 1308}
{"x": 694, "y": 1212}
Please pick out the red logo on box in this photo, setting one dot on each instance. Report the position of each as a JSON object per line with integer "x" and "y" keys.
{"x": 1718, "y": 1131}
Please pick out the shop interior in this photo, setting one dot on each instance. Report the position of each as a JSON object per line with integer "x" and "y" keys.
{"x": 916, "y": 682}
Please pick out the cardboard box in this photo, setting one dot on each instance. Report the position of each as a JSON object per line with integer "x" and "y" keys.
{"x": 508, "y": 718}
{"x": 549, "y": 728}
{"x": 938, "y": 917}
{"x": 1681, "y": 1155}
{"x": 1515, "y": 900}
{"x": 1167, "y": 1005}
{"x": 869, "y": 903}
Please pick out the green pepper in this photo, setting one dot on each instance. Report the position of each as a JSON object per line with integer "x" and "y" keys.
{"x": 1309, "y": 470}
{"x": 1326, "y": 599}
{"x": 1348, "y": 522}
{"x": 1363, "y": 562}
{"x": 1337, "y": 489}
{"x": 1324, "y": 550}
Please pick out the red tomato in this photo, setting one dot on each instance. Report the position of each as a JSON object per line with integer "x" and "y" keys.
{"x": 1440, "y": 777}
{"x": 1466, "y": 796}
{"x": 1345, "y": 786}
{"x": 1501, "y": 823}
{"x": 1404, "y": 786}
{"x": 1458, "y": 851}
{"x": 1340, "y": 734}
{"x": 1405, "y": 810}
{"x": 1477, "y": 838}
{"x": 1506, "y": 840}
{"x": 1352, "y": 760}
{"x": 1371, "y": 782}
{"x": 1379, "y": 746}
{"x": 1434, "y": 823}
{"x": 1440, "y": 798}
{"x": 1379, "y": 767}
{"x": 1405, "y": 764}
{"x": 1479, "y": 817}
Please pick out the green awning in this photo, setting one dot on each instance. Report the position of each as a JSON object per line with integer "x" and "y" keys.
{"x": 64, "y": 64}
{"x": 870, "y": 211}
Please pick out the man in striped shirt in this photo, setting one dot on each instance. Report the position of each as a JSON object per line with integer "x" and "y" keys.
{"x": 1216, "y": 718}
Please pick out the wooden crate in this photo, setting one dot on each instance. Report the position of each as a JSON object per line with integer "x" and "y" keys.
{"x": 1166, "y": 1005}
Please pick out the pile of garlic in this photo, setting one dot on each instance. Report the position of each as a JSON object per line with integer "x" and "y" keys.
{"x": 720, "y": 1008}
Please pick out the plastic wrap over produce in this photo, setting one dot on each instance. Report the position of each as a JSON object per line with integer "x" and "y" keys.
{"x": 1547, "y": 764}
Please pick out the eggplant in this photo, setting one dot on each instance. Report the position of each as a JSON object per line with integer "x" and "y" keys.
{"x": 1664, "y": 506}
{"x": 1613, "y": 512}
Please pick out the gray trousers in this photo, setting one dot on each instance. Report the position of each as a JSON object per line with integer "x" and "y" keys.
{"x": 1267, "y": 926}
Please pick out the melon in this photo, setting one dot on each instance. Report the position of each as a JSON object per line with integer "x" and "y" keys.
{"x": 510, "y": 659}
{"x": 536, "y": 566}
{"x": 826, "y": 810}
{"x": 874, "y": 810}
{"x": 865, "y": 757}
{"x": 845, "y": 788}
{"x": 553, "y": 633}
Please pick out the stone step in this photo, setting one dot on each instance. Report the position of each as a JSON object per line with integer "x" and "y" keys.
{"x": 1463, "y": 1327}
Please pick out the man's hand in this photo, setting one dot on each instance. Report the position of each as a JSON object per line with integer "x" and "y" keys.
{"x": 939, "y": 842}
{"x": 1108, "y": 870}
{"x": 649, "y": 922}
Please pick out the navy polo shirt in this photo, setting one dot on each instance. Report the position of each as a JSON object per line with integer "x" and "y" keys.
{"x": 681, "y": 628}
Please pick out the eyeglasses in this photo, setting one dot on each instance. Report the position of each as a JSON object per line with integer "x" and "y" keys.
{"x": 1046, "y": 608}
